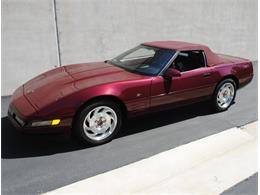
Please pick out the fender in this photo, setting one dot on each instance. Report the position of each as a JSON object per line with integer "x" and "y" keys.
{"x": 135, "y": 94}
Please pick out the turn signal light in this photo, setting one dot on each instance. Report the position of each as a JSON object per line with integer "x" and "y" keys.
{"x": 55, "y": 122}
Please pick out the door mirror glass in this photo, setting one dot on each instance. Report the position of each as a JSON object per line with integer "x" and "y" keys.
{"x": 172, "y": 72}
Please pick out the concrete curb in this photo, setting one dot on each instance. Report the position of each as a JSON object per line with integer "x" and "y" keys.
{"x": 206, "y": 166}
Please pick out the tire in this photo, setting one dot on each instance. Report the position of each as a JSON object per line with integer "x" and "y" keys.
{"x": 98, "y": 122}
{"x": 224, "y": 95}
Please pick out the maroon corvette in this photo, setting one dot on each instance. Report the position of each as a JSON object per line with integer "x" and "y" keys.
{"x": 92, "y": 99}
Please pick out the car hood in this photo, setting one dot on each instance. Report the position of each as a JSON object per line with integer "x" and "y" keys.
{"x": 60, "y": 82}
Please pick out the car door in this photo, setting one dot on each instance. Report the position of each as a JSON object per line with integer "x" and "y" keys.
{"x": 195, "y": 82}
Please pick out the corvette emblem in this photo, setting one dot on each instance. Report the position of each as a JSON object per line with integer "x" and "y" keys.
{"x": 30, "y": 91}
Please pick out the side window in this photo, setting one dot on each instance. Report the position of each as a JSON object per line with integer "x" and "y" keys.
{"x": 189, "y": 60}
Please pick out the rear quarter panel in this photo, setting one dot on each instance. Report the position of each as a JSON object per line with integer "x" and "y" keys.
{"x": 243, "y": 71}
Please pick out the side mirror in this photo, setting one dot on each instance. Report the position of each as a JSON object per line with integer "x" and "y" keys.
{"x": 172, "y": 72}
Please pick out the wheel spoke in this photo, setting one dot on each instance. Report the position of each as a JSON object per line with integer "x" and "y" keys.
{"x": 89, "y": 116}
{"x": 96, "y": 111}
{"x": 85, "y": 126}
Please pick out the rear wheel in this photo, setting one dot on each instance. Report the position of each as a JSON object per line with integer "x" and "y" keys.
{"x": 98, "y": 122}
{"x": 224, "y": 95}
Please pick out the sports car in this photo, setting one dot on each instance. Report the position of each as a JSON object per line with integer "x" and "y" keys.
{"x": 92, "y": 100}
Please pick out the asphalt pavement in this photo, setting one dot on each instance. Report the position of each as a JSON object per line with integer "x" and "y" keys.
{"x": 246, "y": 187}
{"x": 34, "y": 164}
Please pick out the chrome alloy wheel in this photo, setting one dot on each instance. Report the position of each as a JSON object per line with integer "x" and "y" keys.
{"x": 99, "y": 123}
{"x": 225, "y": 95}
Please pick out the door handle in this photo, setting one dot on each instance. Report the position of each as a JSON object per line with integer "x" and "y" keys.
{"x": 208, "y": 74}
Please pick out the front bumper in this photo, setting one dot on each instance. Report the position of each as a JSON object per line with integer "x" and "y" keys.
{"x": 24, "y": 125}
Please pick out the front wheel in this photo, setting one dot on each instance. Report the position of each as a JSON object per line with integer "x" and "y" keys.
{"x": 224, "y": 95}
{"x": 98, "y": 122}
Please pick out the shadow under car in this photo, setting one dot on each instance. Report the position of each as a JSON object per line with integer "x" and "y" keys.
{"x": 19, "y": 145}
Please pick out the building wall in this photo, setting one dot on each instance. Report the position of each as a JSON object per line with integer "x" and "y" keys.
{"x": 28, "y": 41}
{"x": 91, "y": 30}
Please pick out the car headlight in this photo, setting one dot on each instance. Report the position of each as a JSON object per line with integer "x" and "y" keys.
{"x": 46, "y": 123}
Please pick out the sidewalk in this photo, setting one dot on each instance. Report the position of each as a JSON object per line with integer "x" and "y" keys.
{"x": 207, "y": 166}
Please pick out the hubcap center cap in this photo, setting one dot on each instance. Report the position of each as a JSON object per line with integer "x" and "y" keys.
{"x": 100, "y": 121}
{"x": 225, "y": 94}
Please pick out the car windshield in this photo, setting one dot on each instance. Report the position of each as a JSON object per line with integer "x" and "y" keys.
{"x": 144, "y": 59}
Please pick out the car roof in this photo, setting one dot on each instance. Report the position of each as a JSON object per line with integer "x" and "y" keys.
{"x": 212, "y": 58}
{"x": 177, "y": 45}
